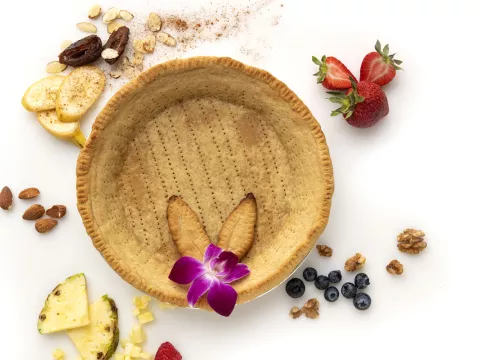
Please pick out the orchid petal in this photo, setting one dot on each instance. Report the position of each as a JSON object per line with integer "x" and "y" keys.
{"x": 211, "y": 253}
{"x": 222, "y": 298}
{"x": 186, "y": 269}
{"x": 225, "y": 263}
{"x": 199, "y": 287}
{"x": 240, "y": 271}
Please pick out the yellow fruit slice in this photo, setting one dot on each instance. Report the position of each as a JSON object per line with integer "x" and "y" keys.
{"x": 82, "y": 87}
{"x": 42, "y": 95}
{"x": 69, "y": 131}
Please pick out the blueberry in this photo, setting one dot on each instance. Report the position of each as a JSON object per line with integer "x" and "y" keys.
{"x": 335, "y": 276}
{"x": 295, "y": 288}
{"x": 349, "y": 290}
{"x": 322, "y": 282}
{"x": 362, "y": 281}
{"x": 309, "y": 274}
{"x": 331, "y": 294}
{"x": 362, "y": 301}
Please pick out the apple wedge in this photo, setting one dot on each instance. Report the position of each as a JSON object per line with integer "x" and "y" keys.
{"x": 81, "y": 88}
{"x": 42, "y": 95}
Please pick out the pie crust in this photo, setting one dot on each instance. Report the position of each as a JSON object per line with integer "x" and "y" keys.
{"x": 209, "y": 130}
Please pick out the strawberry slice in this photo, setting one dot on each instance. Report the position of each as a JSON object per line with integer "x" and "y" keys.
{"x": 378, "y": 66}
{"x": 167, "y": 351}
{"x": 332, "y": 74}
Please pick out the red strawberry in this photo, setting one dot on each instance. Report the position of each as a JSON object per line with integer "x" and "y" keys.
{"x": 363, "y": 106}
{"x": 379, "y": 67}
{"x": 167, "y": 351}
{"x": 333, "y": 74}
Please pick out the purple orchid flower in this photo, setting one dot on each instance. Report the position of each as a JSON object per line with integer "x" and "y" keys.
{"x": 218, "y": 270}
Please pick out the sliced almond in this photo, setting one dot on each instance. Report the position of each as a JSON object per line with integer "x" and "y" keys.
{"x": 166, "y": 39}
{"x": 131, "y": 72}
{"x": 114, "y": 25}
{"x": 87, "y": 27}
{"x": 29, "y": 193}
{"x": 94, "y": 11}
{"x": 137, "y": 59}
{"x": 34, "y": 212}
{"x": 126, "y": 63}
{"x": 154, "y": 23}
{"x": 186, "y": 229}
{"x": 149, "y": 44}
{"x": 115, "y": 74}
{"x": 65, "y": 44}
{"x": 54, "y": 67}
{"x": 238, "y": 231}
{"x": 45, "y": 225}
{"x": 110, "y": 15}
{"x": 57, "y": 211}
{"x": 109, "y": 54}
{"x": 6, "y": 198}
{"x": 125, "y": 15}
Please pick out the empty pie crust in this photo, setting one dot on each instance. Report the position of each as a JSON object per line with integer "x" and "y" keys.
{"x": 209, "y": 130}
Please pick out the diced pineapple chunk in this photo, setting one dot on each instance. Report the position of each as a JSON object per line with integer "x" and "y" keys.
{"x": 145, "y": 317}
{"x": 136, "y": 311}
{"x": 58, "y": 354}
{"x": 136, "y": 350}
{"x": 141, "y": 302}
{"x": 119, "y": 357}
{"x": 128, "y": 348}
{"x": 137, "y": 336}
{"x": 127, "y": 357}
{"x": 124, "y": 342}
{"x": 146, "y": 356}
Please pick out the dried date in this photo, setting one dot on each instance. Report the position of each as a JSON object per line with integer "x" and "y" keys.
{"x": 82, "y": 52}
{"x": 117, "y": 41}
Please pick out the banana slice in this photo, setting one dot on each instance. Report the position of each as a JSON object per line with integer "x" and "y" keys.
{"x": 69, "y": 131}
{"x": 41, "y": 95}
{"x": 82, "y": 87}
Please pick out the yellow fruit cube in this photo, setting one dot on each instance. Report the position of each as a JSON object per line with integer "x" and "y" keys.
{"x": 145, "y": 317}
{"x": 58, "y": 354}
{"x": 141, "y": 302}
{"x": 119, "y": 357}
{"x": 137, "y": 336}
{"x": 127, "y": 357}
{"x": 146, "y": 356}
{"x": 136, "y": 311}
{"x": 124, "y": 342}
{"x": 128, "y": 348}
{"x": 136, "y": 350}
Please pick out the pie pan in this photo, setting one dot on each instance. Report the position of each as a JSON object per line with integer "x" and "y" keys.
{"x": 209, "y": 130}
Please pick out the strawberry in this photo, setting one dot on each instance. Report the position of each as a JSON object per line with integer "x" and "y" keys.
{"x": 363, "y": 106}
{"x": 167, "y": 351}
{"x": 332, "y": 73}
{"x": 379, "y": 67}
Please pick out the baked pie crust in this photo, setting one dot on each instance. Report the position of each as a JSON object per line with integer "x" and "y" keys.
{"x": 209, "y": 130}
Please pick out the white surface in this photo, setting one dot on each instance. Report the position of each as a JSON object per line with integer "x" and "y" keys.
{"x": 418, "y": 168}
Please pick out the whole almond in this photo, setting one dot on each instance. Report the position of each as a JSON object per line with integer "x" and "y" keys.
{"x": 34, "y": 212}
{"x": 6, "y": 198}
{"x": 29, "y": 193}
{"x": 45, "y": 225}
{"x": 57, "y": 211}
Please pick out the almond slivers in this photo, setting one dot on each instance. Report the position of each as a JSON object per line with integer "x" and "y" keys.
{"x": 110, "y": 15}
{"x": 87, "y": 27}
{"x": 186, "y": 229}
{"x": 94, "y": 11}
{"x": 65, "y": 44}
{"x": 154, "y": 23}
{"x": 114, "y": 25}
{"x": 166, "y": 39}
{"x": 238, "y": 231}
{"x": 125, "y": 15}
{"x": 54, "y": 67}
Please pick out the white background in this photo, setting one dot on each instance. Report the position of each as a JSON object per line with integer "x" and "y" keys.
{"x": 417, "y": 168}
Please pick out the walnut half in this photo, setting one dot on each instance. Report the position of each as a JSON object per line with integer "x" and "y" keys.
{"x": 411, "y": 241}
{"x": 295, "y": 312}
{"x": 310, "y": 309}
{"x": 355, "y": 262}
{"x": 395, "y": 267}
{"x": 324, "y": 250}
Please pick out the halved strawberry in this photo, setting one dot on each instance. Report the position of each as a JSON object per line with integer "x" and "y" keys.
{"x": 333, "y": 74}
{"x": 379, "y": 67}
{"x": 167, "y": 351}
